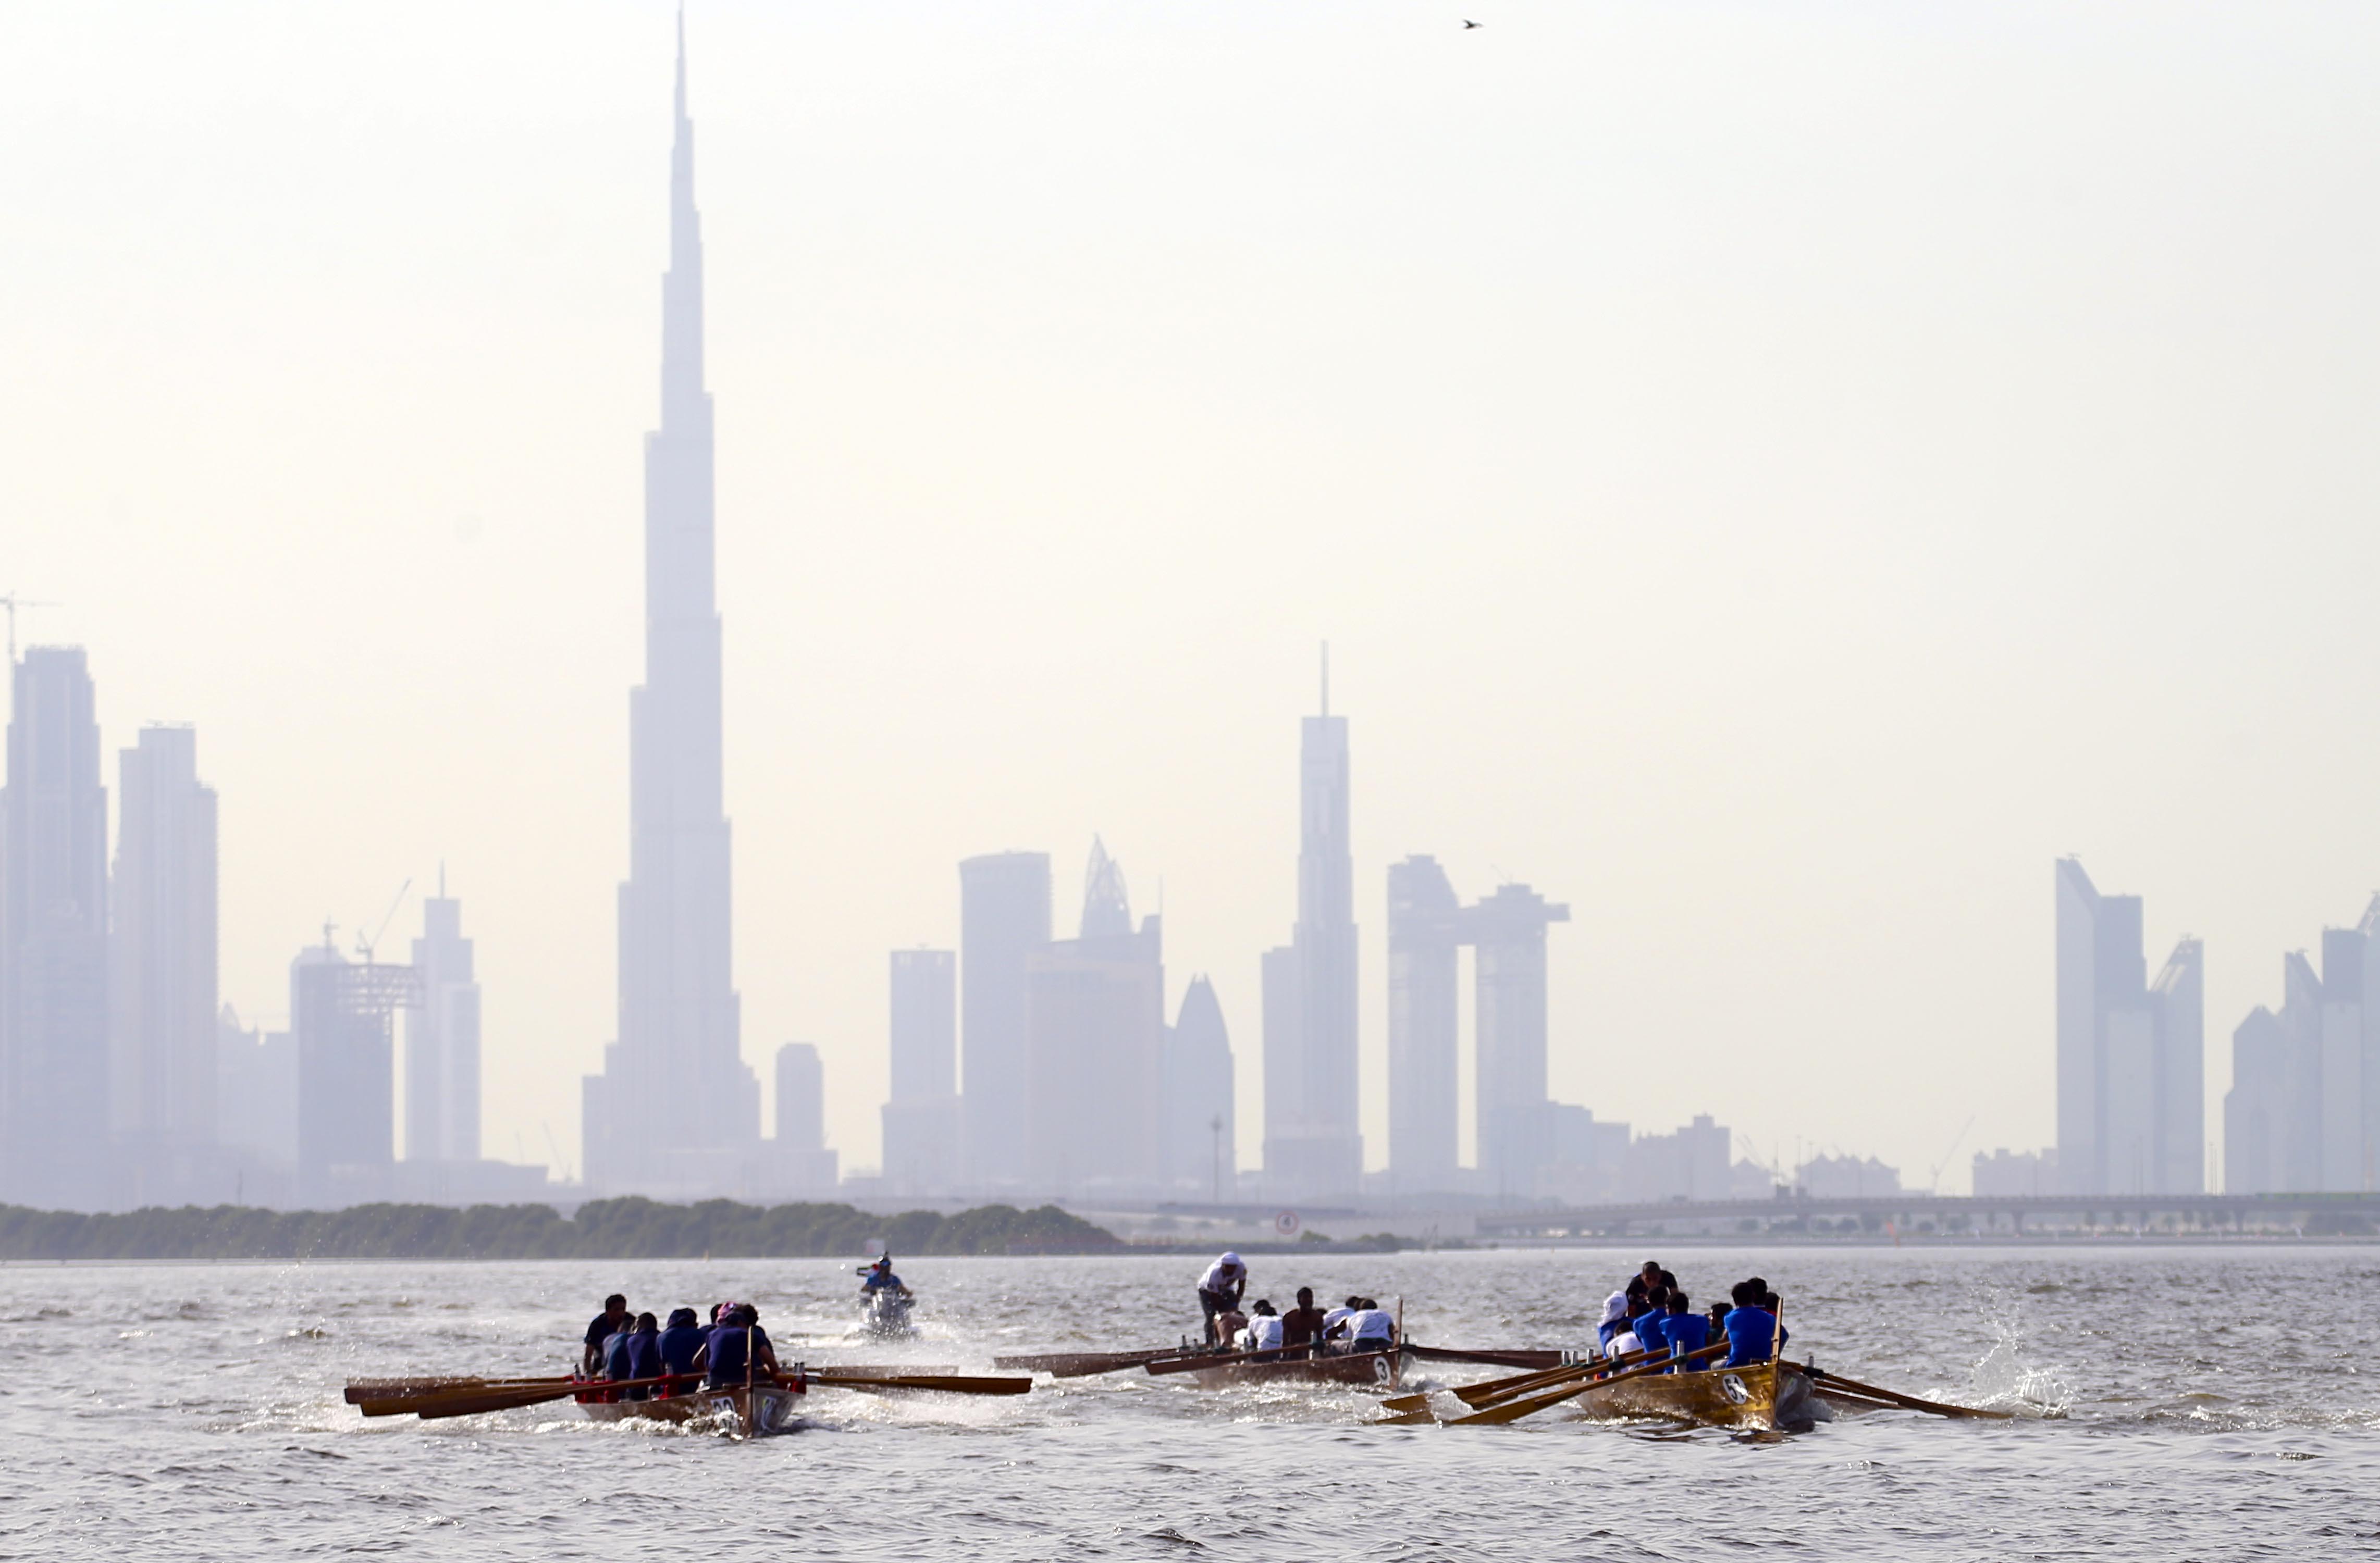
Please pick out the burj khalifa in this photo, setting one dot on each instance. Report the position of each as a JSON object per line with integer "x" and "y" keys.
{"x": 676, "y": 1109}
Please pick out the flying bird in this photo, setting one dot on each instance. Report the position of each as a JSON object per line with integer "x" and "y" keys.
{"x": 1468, "y": 23}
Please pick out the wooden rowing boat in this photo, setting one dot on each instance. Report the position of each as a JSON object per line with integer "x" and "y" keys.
{"x": 1718, "y": 1397}
{"x": 750, "y": 1410}
{"x": 1378, "y": 1369}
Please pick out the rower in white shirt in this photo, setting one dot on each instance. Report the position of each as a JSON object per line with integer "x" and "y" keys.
{"x": 1263, "y": 1331}
{"x": 1371, "y": 1329}
{"x": 1218, "y": 1292}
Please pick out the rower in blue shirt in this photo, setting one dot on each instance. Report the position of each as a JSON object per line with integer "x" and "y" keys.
{"x": 641, "y": 1357}
{"x": 724, "y": 1356}
{"x": 1648, "y": 1324}
{"x": 1685, "y": 1330}
{"x": 1751, "y": 1327}
{"x": 678, "y": 1344}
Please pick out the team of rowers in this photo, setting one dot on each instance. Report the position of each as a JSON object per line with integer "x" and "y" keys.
{"x": 1360, "y": 1323}
{"x": 1651, "y": 1319}
{"x": 1654, "y": 1316}
{"x": 732, "y": 1346}
{"x": 620, "y": 1346}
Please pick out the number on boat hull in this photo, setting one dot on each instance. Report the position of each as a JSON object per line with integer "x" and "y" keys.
{"x": 1733, "y": 1389}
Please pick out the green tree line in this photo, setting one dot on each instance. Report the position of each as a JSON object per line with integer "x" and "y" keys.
{"x": 604, "y": 1228}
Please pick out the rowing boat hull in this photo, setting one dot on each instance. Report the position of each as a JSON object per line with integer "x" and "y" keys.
{"x": 1379, "y": 1370}
{"x": 1713, "y": 1397}
{"x": 761, "y": 1409}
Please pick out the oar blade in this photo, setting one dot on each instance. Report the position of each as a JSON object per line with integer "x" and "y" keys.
{"x": 1083, "y": 1364}
{"x": 474, "y": 1406}
{"x": 362, "y": 1389}
{"x": 1524, "y": 1405}
{"x": 1519, "y": 1407}
{"x": 462, "y": 1403}
{"x": 1819, "y": 1380}
{"x": 952, "y": 1384}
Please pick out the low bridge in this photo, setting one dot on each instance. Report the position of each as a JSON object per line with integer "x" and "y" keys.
{"x": 1909, "y": 1213}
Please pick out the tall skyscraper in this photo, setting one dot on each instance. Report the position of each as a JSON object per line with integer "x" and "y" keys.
{"x": 1425, "y": 1017}
{"x": 2303, "y": 1112}
{"x": 2342, "y": 1162}
{"x": 2178, "y": 998}
{"x": 800, "y": 1162}
{"x": 2368, "y": 989}
{"x": 1095, "y": 1048}
{"x": 1314, "y": 1142}
{"x": 1515, "y": 1122}
{"x": 256, "y": 1092}
{"x": 925, "y": 1051}
{"x": 442, "y": 1039}
{"x": 343, "y": 1015}
{"x": 676, "y": 1106}
{"x": 1201, "y": 1125}
{"x": 801, "y": 1097}
{"x": 53, "y": 978}
{"x": 2255, "y": 1128}
{"x": 2130, "y": 1054}
{"x": 161, "y": 1004}
{"x": 1004, "y": 922}
{"x": 922, "y": 1127}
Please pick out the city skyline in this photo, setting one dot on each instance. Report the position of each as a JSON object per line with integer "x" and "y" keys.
{"x": 1678, "y": 693}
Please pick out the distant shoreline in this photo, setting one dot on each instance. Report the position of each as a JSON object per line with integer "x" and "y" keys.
{"x": 618, "y": 1230}
{"x": 2077, "y": 1244}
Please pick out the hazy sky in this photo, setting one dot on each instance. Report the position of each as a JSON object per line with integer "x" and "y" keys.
{"x": 1773, "y": 476}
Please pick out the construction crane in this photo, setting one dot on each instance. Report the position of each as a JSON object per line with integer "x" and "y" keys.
{"x": 364, "y": 946}
{"x": 1934, "y": 1186}
{"x": 11, "y": 602}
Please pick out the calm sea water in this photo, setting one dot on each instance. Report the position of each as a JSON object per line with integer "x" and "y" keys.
{"x": 2178, "y": 1404}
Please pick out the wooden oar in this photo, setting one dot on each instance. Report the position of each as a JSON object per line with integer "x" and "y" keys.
{"x": 1190, "y": 1364}
{"x": 1514, "y": 1409}
{"x": 1854, "y": 1402}
{"x": 401, "y": 1405}
{"x": 1491, "y": 1390}
{"x": 472, "y": 1400}
{"x": 362, "y": 1389}
{"x": 1084, "y": 1365}
{"x": 954, "y": 1383}
{"x": 468, "y": 1402}
{"x": 1538, "y": 1361}
{"x": 1820, "y": 1377}
{"x": 1415, "y": 1408}
{"x": 1500, "y": 1388}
